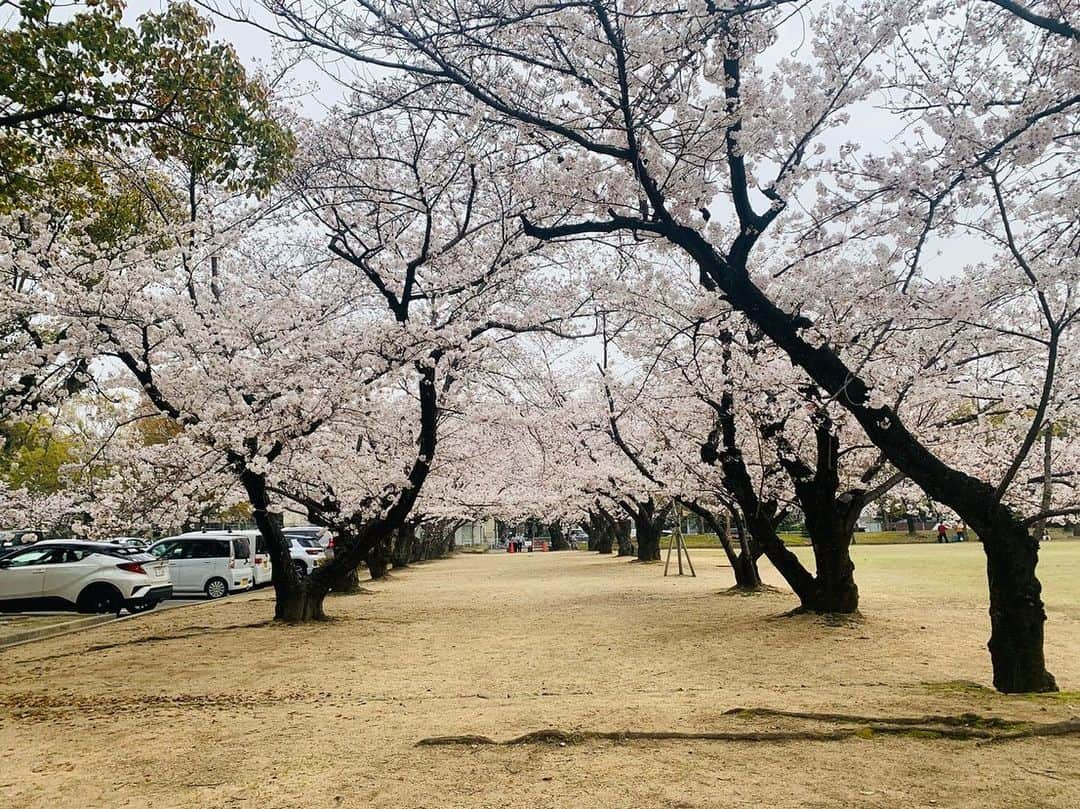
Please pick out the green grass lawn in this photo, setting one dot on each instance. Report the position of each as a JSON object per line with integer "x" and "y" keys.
{"x": 794, "y": 539}
{"x": 935, "y": 573}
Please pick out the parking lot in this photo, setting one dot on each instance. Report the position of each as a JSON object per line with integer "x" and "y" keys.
{"x": 23, "y": 627}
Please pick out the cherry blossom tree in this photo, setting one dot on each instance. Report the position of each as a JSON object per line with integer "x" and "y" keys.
{"x": 688, "y": 129}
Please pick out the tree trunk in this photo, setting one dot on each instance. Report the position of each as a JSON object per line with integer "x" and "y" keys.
{"x": 295, "y": 599}
{"x": 378, "y": 558}
{"x": 787, "y": 564}
{"x": 403, "y": 546}
{"x": 622, "y": 538}
{"x": 558, "y": 538}
{"x": 745, "y": 568}
{"x": 648, "y": 542}
{"x": 1016, "y": 608}
{"x": 345, "y": 581}
{"x": 1039, "y": 528}
{"x": 601, "y": 533}
{"x": 605, "y": 542}
{"x": 836, "y": 591}
{"x": 743, "y": 564}
{"x": 300, "y": 604}
{"x": 760, "y": 518}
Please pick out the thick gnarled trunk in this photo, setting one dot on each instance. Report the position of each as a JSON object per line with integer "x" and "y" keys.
{"x": 648, "y": 541}
{"x": 601, "y": 532}
{"x": 344, "y": 581}
{"x": 378, "y": 558}
{"x": 836, "y": 591}
{"x": 649, "y": 520}
{"x": 624, "y": 545}
{"x": 559, "y": 541}
{"x": 300, "y": 604}
{"x": 404, "y": 549}
{"x": 1017, "y": 615}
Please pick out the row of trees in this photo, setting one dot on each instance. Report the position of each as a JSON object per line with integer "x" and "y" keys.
{"x": 381, "y": 314}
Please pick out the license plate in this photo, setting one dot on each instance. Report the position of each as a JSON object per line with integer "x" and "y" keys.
{"x": 319, "y": 562}
{"x": 159, "y": 572}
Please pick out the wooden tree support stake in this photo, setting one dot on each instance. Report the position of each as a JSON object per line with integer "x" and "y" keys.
{"x": 676, "y": 539}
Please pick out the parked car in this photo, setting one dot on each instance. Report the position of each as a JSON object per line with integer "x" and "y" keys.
{"x": 323, "y": 535}
{"x": 18, "y": 538}
{"x": 214, "y": 564}
{"x": 85, "y": 576}
{"x": 261, "y": 563}
{"x": 131, "y": 542}
{"x": 307, "y": 553}
{"x": 259, "y": 554}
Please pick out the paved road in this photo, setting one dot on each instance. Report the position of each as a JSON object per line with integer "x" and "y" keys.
{"x": 176, "y": 601}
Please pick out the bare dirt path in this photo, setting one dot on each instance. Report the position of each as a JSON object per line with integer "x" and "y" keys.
{"x": 218, "y": 706}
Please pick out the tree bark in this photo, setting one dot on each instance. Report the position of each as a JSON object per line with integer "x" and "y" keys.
{"x": 745, "y": 570}
{"x": 295, "y": 599}
{"x": 760, "y": 518}
{"x": 622, "y": 538}
{"x": 743, "y": 563}
{"x": 559, "y": 541}
{"x": 345, "y": 582}
{"x": 601, "y": 532}
{"x": 404, "y": 546}
{"x": 301, "y": 604}
{"x": 649, "y": 523}
{"x": 835, "y": 576}
{"x": 378, "y": 558}
{"x": 1017, "y": 615}
{"x": 648, "y": 541}
{"x": 1047, "y": 501}
{"x": 830, "y": 518}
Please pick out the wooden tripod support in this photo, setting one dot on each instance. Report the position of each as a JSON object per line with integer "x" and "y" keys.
{"x": 676, "y": 540}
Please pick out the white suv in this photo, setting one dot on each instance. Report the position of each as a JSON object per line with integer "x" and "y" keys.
{"x": 307, "y": 552}
{"x": 88, "y": 576}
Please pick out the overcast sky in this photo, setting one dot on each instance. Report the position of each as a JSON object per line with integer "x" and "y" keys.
{"x": 311, "y": 90}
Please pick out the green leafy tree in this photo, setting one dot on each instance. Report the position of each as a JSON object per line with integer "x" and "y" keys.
{"x": 89, "y": 84}
{"x": 33, "y": 455}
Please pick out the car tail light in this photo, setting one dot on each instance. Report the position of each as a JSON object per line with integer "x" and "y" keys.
{"x": 331, "y": 543}
{"x": 314, "y": 552}
{"x": 132, "y": 567}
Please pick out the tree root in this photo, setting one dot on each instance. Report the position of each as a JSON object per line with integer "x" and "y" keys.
{"x": 827, "y": 618}
{"x": 964, "y": 727}
{"x": 761, "y": 589}
{"x": 969, "y": 720}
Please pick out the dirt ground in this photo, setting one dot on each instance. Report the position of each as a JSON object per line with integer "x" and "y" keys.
{"x": 215, "y": 706}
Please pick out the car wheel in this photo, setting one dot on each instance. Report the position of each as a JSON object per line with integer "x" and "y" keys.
{"x": 216, "y": 588}
{"x": 300, "y": 568}
{"x": 99, "y": 598}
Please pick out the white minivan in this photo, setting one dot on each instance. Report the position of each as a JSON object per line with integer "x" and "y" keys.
{"x": 214, "y": 564}
{"x": 262, "y": 570}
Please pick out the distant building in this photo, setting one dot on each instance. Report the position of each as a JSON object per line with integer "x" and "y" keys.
{"x": 480, "y": 533}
